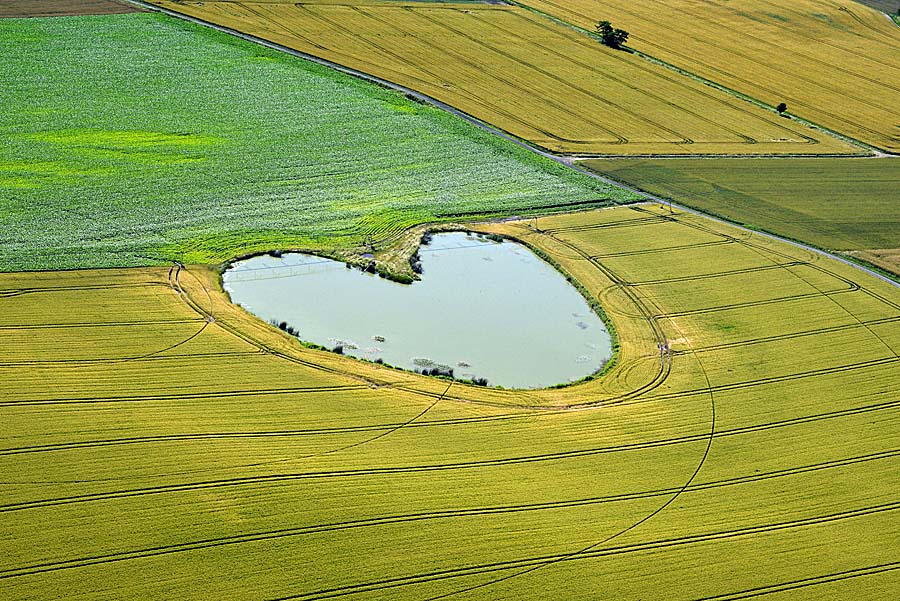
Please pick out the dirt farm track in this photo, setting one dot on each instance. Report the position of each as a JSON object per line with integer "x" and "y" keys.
{"x": 62, "y": 8}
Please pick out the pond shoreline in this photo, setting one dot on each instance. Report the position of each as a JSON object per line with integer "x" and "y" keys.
{"x": 518, "y": 261}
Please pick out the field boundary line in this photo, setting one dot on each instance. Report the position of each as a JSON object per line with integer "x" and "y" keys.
{"x": 384, "y": 83}
{"x": 561, "y": 159}
{"x": 864, "y": 146}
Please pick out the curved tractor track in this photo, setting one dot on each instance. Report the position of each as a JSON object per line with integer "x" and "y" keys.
{"x": 424, "y": 488}
{"x": 727, "y": 427}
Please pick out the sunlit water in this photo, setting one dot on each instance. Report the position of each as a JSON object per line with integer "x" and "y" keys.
{"x": 486, "y": 309}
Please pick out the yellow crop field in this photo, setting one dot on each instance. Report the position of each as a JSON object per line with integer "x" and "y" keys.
{"x": 157, "y": 442}
{"x": 525, "y": 74}
{"x": 836, "y": 63}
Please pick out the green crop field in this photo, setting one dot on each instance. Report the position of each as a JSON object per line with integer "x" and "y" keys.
{"x": 158, "y": 442}
{"x": 138, "y": 139}
{"x": 836, "y": 63}
{"x": 524, "y": 73}
{"x": 843, "y": 205}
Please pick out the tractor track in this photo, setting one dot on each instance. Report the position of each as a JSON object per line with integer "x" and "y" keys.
{"x": 520, "y": 567}
{"x": 435, "y": 515}
{"x": 542, "y": 560}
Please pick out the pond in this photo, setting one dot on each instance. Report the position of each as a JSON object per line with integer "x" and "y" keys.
{"x": 483, "y": 309}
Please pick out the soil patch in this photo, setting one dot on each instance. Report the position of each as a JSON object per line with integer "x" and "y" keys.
{"x": 63, "y": 8}
{"x": 885, "y": 258}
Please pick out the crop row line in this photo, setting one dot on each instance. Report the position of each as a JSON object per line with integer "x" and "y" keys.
{"x": 12, "y": 292}
{"x": 806, "y": 333}
{"x": 719, "y": 274}
{"x": 99, "y": 324}
{"x": 203, "y": 436}
{"x": 655, "y": 545}
{"x": 805, "y": 582}
{"x": 431, "y": 515}
{"x": 182, "y": 395}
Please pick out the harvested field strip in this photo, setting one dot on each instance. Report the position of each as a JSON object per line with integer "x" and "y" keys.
{"x": 834, "y": 204}
{"x": 732, "y": 424}
{"x": 818, "y": 58}
{"x": 546, "y": 75}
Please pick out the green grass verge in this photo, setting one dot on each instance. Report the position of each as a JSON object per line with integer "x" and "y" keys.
{"x": 138, "y": 139}
{"x": 840, "y": 204}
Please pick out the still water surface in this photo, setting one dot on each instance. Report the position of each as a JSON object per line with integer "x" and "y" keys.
{"x": 488, "y": 310}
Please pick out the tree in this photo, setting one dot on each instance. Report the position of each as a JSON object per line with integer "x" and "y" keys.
{"x": 614, "y": 38}
{"x": 781, "y": 108}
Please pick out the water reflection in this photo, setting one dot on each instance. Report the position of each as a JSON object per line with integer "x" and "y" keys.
{"x": 482, "y": 310}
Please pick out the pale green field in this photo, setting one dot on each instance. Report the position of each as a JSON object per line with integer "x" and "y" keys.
{"x": 151, "y": 452}
{"x": 841, "y": 205}
{"x": 187, "y": 144}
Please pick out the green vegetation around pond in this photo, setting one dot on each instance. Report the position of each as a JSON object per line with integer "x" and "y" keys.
{"x": 138, "y": 139}
{"x": 837, "y": 204}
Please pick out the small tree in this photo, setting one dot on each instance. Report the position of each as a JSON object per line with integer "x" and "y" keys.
{"x": 781, "y": 108}
{"x": 609, "y": 36}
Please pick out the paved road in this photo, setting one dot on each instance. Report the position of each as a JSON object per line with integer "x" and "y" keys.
{"x": 563, "y": 160}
